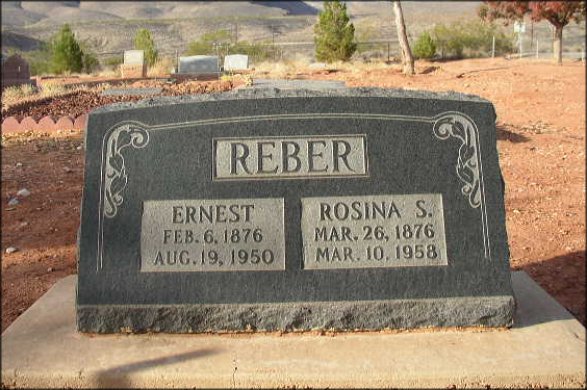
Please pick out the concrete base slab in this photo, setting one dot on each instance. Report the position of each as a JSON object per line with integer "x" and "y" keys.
{"x": 546, "y": 348}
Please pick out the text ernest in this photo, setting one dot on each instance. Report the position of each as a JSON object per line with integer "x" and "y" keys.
{"x": 219, "y": 213}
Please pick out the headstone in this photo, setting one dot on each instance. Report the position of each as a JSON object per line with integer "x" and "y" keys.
{"x": 199, "y": 65}
{"x": 134, "y": 57}
{"x": 134, "y": 65}
{"x": 266, "y": 209}
{"x": 15, "y": 71}
{"x": 234, "y": 62}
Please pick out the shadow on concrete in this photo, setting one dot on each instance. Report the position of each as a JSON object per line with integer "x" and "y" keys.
{"x": 563, "y": 278}
{"x": 120, "y": 376}
{"x": 505, "y": 134}
{"x": 556, "y": 294}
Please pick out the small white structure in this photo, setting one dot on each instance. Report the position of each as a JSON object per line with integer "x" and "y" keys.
{"x": 134, "y": 65}
{"x": 134, "y": 57}
{"x": 236, "y": 62}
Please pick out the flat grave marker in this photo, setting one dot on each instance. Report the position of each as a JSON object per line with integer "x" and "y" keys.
{"x": 268, "y": 209}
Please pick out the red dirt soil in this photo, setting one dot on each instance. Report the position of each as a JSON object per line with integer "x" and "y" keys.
{"x": 80, "y": 102}
{"x": 541, "y": 143}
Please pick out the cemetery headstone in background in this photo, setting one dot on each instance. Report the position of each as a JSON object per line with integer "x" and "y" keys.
{"x": 134, "y": 65}
{"x": 268, "y": 209}
{"x": 15, "y": 71}
{"x": 134, "y": 57}
{"x": 199, "y": 67}
{"x": 235, "y": 62}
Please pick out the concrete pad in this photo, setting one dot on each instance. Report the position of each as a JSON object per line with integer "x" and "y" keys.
{"x": 546, "y": 348}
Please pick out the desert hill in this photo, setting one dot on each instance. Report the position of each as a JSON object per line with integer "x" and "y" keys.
{"x": 38, "y": 13}
{"x": 108, "y": 27}
{"x": 32, "y": 13}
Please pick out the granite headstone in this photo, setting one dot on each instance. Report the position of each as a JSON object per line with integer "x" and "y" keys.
{"x": 200, "y": 64}
{"x": 134, "y": 65}
{"x": 15, "y": 71}
{"x": 234, "y": 62}
{"x": 267, "y": 209}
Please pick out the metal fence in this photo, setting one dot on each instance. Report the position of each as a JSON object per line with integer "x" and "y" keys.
{"x": 536, "y": 41}
{"x": 381, "y": 49}
{"x": 374, "y": 50}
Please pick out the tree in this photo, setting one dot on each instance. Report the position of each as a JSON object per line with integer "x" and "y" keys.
{"x": 557, "y": 13}
{"x": 144, "y": 41}
{"x": 334, "y": 34}
{"x": 407, "y": 58}
{"x": 66, "y": 54}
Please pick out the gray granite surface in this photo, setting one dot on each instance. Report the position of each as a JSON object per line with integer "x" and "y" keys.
{"x": 199, "y": 64}
{"x": 276, "y": 93}
{"x": 415, "y": 143}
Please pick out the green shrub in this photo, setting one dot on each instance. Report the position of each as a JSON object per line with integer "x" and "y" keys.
{"x": 470, "y": 39}
{"x": 424, "y": 46}
{"x": 198, "y": 48}
{"x": 219, "y": 42}
{"x": 90, "y": 62}
{"x": 39, "y": 60}
{"x": 205, "y": 45}
{"x": 256, "y": 51}
{"x": 114, "y": 62}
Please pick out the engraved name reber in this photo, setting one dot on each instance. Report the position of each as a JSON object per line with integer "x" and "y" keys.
{"x": 290, "y": 157}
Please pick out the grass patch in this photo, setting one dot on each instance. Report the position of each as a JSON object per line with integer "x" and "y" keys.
{"x": 17, "y": 93}
{"x": 161, "y": 67}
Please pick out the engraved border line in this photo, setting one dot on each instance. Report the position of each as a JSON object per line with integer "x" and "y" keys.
{"x": 484, "y": 219}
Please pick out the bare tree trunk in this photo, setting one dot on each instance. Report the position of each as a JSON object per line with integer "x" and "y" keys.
{"x": 407, "y": 58}
{"x": 557, "y": 44}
